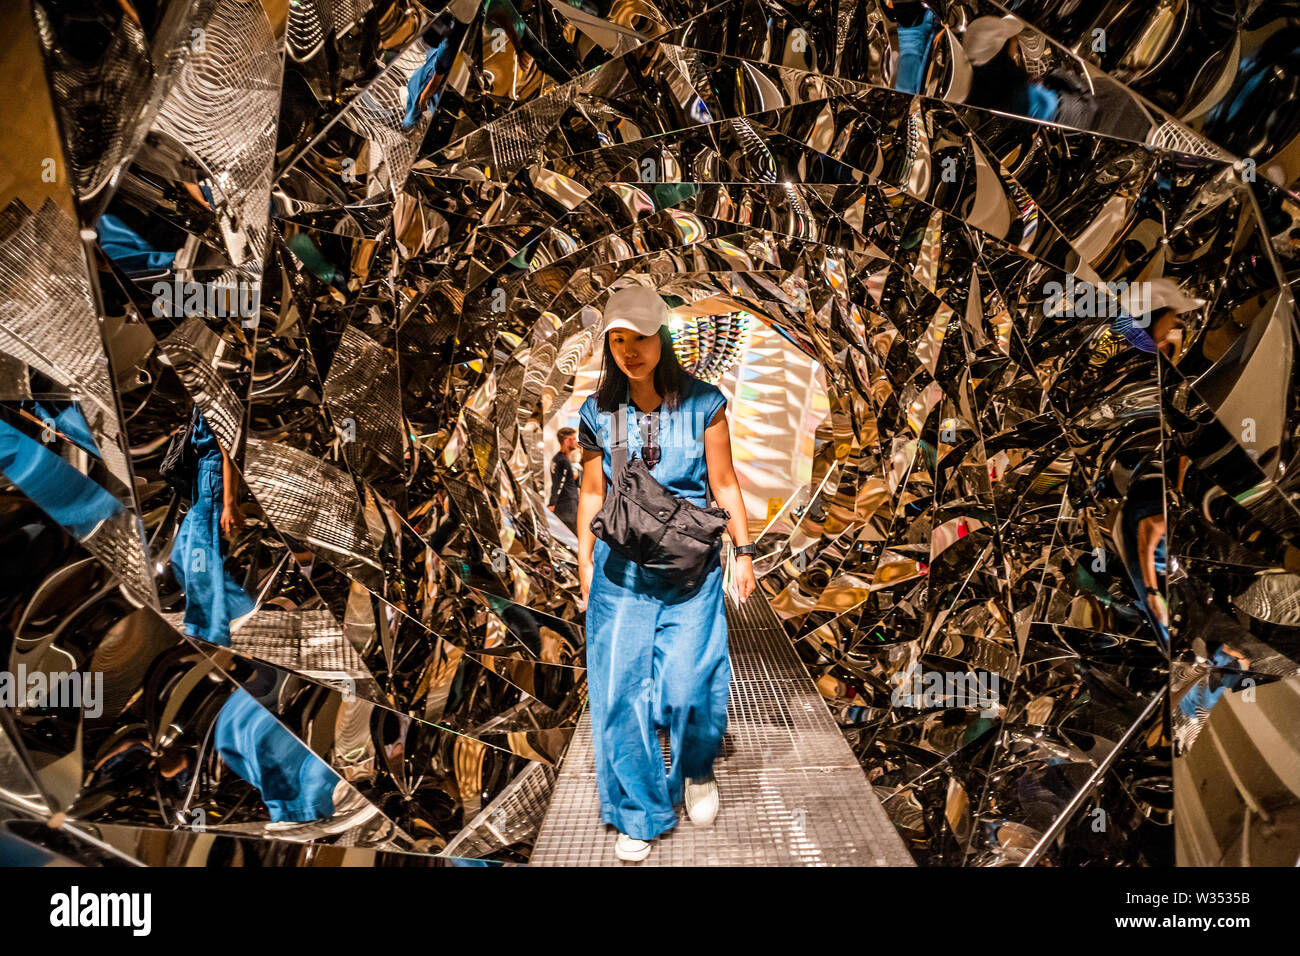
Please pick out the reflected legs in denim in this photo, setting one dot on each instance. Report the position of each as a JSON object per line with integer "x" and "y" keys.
{"x": 212, "y": 597}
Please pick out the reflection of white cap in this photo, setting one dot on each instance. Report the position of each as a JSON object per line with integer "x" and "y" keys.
{"x": 1150, "y": 296}
{"x": 986, "y": 35}
{"x": 637, "y": 308}
{"x": 1164, "y": 294}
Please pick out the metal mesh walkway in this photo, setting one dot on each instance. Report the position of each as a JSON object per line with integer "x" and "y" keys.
{"x": 792, "y": 793}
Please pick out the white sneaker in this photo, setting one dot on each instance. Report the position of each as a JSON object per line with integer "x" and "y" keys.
{"x": 631, "y": 849}
{"x": 702, "y": 800}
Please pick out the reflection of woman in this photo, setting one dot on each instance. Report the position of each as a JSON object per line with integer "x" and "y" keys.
{"x": 212, "y": 597}
{"x": 424, "y": 87}
{"x": 1224, "y": 673}
{"x": 1140, "y": 537}
{"x": 656, "y": 648}
{"x": 998, "y": 77}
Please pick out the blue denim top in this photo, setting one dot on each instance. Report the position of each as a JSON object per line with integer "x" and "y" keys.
{"x": 682, "y": 469}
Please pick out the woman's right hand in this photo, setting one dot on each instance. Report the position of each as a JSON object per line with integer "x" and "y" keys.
{"x": 586, "y": 568}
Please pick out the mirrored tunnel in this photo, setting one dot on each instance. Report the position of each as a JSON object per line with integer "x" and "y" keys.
{"x": 999, "y": 296}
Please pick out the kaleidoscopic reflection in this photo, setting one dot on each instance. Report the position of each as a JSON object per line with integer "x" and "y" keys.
{"x": 350, "y": 256}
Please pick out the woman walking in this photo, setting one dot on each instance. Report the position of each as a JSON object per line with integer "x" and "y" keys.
{"x": 656, "y": 647}
{"x": 213, "y": 599}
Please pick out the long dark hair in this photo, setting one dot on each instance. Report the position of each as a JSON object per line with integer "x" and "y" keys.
{"x": 670, "y": 377}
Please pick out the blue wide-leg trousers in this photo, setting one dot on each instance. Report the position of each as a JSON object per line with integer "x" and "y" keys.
{"x": 656, "y": 659}
{"x": 212, "y": 597}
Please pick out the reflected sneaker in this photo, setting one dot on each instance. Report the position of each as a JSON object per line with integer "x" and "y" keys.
{"x": 631, "y": 849}
{"x": 702, "y": 800}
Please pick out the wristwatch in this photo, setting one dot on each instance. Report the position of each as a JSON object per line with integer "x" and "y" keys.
{"x": 748, "y": 549}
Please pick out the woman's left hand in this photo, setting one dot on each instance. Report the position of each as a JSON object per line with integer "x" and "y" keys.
{"x": 745, "y": 582}
{"x": 232, "y": 519}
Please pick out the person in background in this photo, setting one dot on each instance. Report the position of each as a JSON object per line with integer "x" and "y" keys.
{"x": 564, "y": 485}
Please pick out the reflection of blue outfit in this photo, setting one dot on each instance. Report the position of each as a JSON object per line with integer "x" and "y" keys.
{"x": 656, "y": 654}
{"x": 295, "y": 784}
{"x": 420, "y": 79}
{"x": 129, "y": 250}
{"x": 1136, "y": 336}
{"x": 305, "y": 251}
{"x": 212, "y": 597}
{"x": 1250, "y": 75}
{"x": 1200, "y": 692}
{"x": 70, "y": 422}
{"x": 1001, "y": 84}
{"x": 1042, "y": 102}
{"x": 72, "y": 499}
{"x": 913, "y": 47}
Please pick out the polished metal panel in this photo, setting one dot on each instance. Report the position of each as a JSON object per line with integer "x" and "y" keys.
{"x": 370, "y": 241}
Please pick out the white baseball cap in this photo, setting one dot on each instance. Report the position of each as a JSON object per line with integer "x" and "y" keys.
{"x": 985, "y": 37}
{"x": 637, "y": 308}
{"x": 1153, "y": 295}
{"x": 1165, "y": 294}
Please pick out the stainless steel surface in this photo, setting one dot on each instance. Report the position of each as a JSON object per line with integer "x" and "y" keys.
{"x": 427, "y": 207}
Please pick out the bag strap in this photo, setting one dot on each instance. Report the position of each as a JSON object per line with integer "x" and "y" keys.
{"x": 619, "y": 448}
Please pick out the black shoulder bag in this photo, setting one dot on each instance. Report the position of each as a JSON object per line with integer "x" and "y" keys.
{"x": 180, "y": 462}
{"x": 648, "y": 524}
